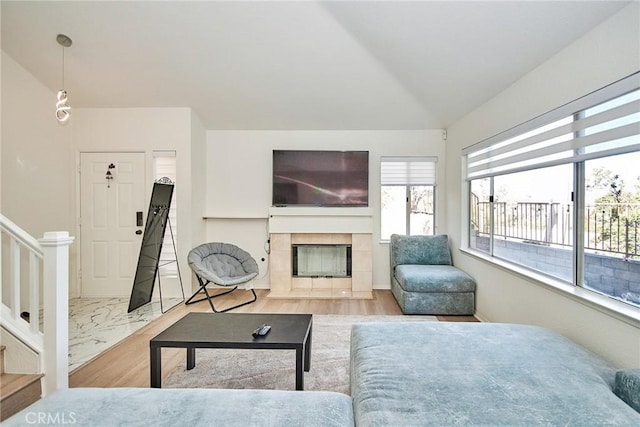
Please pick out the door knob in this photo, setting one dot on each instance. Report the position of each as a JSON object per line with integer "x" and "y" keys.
{"x": 138, "y": 231}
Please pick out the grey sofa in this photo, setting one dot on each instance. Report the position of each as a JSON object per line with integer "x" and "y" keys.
{"x": 424, "y": 280}
{"x": 107, "y": 407}
{"x": 445, "y": 374}
{"x": 402, "y": 374}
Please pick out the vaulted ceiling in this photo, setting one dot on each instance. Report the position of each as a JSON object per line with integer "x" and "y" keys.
{"x": 298, "y": 64}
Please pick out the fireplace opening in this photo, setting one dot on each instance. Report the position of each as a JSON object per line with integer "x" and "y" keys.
{"x": 321, "y": 260}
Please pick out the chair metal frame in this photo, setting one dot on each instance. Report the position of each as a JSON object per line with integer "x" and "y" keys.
{"x": 208, "y": 297}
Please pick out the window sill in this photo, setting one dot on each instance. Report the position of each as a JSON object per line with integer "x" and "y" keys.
{"x": 606, "y": 305}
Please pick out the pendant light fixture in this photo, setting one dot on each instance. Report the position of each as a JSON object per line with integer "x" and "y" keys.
{"x": 62, "y": 107}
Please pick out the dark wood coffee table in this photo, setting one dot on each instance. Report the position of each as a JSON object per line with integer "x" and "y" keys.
{"x": 233, "y": 330}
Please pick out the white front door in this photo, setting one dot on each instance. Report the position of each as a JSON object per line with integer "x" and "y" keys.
{"x": 112, "y": 219}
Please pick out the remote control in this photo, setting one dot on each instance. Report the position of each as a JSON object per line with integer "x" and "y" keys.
{"x": 261, "y": 331}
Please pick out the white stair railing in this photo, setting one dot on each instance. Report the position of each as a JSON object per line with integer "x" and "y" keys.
{"x": 44, "y": 261}
{"x": 16, "y": 288}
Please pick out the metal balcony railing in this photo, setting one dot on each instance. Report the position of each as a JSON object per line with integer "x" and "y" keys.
{"x": 610, "y": 228}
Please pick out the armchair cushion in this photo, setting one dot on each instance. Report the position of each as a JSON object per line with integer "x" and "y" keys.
{"x": 434, "y": 278}
{"x": 424, "y": 250}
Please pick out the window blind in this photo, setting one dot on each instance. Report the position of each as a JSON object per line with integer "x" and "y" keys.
{"x": 603, "y": 123}
{"x": 405, "y": 170}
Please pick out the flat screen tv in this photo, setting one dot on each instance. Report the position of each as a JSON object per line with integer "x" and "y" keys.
{"x": 320, "y": 178}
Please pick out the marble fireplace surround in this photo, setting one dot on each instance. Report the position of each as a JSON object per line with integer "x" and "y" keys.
{"x": 352, "y": 226}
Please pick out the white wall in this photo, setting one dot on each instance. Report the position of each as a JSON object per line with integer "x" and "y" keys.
{"x": 146, "y": 130}
{"x": 239, "y": 181}
{"x": 609, "y": 52}
{"x": 198, "y": 179}
{"x": 37, "y": 160}
{"x": 197, "y": 225}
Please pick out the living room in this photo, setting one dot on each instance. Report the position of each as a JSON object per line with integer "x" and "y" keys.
{"x": 223, "y": 181}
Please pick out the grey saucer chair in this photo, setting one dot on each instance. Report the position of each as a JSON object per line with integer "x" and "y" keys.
{"x": 221, "y": 264}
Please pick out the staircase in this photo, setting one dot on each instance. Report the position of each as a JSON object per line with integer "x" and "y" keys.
{"x": 17, "y": 391}
{"x": 35, "y": 280}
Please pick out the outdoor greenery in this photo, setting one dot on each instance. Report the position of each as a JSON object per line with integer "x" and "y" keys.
{"x": 615, "y": 216}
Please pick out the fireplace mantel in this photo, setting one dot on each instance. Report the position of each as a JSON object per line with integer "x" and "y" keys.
{"x": 320, "y": 220}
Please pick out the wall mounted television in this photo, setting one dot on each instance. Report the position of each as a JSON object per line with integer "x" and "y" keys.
{"x": 320, "y": 178}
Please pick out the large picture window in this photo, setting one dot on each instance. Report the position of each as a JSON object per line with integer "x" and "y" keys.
{"x": 560, "y": 195}
{"x": 407, "y": 195}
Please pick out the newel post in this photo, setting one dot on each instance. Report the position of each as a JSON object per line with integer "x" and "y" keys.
{"x": 55, "y": 248}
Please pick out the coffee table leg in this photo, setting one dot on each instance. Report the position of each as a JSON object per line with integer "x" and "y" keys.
{"x": 307, "y": 352}
{"x": 299, "y": 368}
{"x": 191, "y": 358}
{"x": 156, "y": 367}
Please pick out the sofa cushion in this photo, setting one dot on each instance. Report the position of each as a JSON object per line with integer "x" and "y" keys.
{"x": 434, "y": 303}
{"x": 432, "y": 250}
{"x": 433, "y": 278}
{"x": 627, "y": 387}
{"x": 187, "y": 407}
{"x": 444, "y": 374}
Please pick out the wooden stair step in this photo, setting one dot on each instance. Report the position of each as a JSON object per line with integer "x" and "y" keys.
{"x": 2, "y": 348}
{"x": 17, "y": 391}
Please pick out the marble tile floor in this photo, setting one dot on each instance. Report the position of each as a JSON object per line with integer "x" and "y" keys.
{"x": 95, "y": 324}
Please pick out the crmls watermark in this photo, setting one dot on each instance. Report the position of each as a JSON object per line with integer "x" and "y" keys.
{"x": 50, "y": 418}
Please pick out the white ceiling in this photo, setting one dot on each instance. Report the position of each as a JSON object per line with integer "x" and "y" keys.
{"x": 294, "y": 65}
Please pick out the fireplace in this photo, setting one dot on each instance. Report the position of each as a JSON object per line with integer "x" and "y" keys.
{"x": 341, "y": 244}
{"x": 320, "y": 260}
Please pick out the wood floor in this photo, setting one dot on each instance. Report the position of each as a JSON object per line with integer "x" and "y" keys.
{"x": 127, "y": 363}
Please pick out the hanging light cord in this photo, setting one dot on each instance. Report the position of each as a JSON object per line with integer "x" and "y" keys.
{"x": 62, "y": 67}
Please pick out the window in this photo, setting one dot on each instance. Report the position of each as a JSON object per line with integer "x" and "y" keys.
{"x": 164, "y": 166}
{"x": 481, "y": 215}
{"x": 407, "y": 195}
{"x": 611, "y": 215}
{"x": 560, "y": 195}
